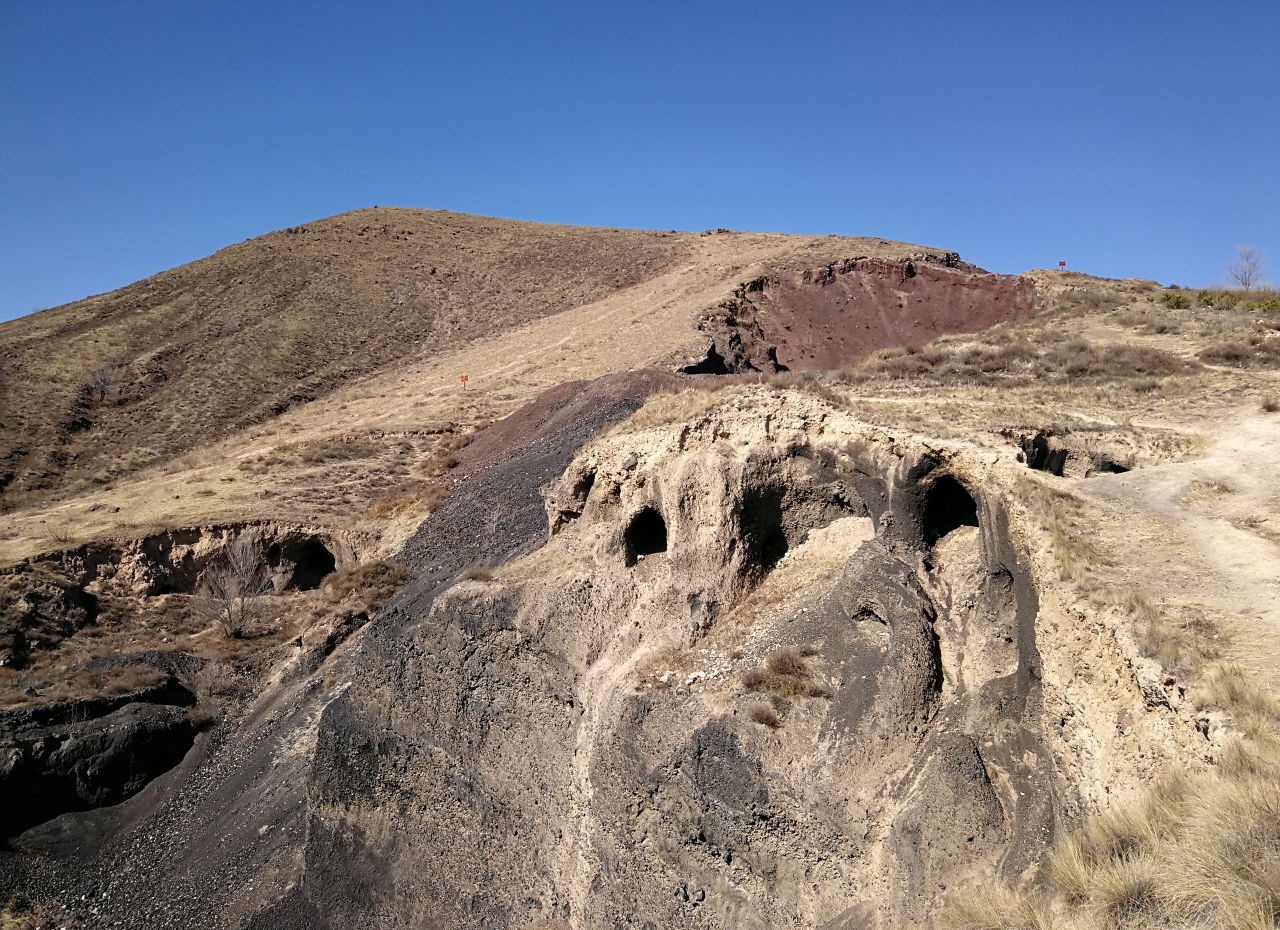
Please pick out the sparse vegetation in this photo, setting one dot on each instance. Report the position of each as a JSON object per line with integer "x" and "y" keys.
{"x": 229, "y": 592}
{"x": 477, "y": 573}
{"x": 370, "y": 584}
{"x": 1258, "y": 350}
{"x": 765, "y": 715}
{"x": 1247, "y": 269}
{"x": 783, "y": 673}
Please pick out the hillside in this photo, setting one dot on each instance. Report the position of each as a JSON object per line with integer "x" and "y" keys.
{"x": 304, "y": 405}
{"x": 751, "y": 582}
{"x": 235, "y": 339}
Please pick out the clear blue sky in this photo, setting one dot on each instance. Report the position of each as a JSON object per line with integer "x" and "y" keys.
{"x": 1129, "y": 138}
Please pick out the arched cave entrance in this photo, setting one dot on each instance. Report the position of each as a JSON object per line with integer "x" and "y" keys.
{"x": 762, "y": 526}
{"x": 311, "y": 559}
{"x": 948, "y": 505}
{"x": 647, "y": 535}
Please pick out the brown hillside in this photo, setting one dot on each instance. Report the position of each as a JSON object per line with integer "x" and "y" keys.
{"x": 272, "y": 322}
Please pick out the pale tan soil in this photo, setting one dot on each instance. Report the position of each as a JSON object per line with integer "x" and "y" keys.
{"x": 1190, "y": 535}
{"x": 411, "y": 402}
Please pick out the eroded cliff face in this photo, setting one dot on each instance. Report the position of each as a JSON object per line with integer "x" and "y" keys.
{"x": 574, "y": 740}
{"x": 827, "y": 317}
{"x": 595, "y": 731}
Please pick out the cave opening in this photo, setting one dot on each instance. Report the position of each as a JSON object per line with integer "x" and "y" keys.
{"x": 763, "y": 527}
{"x": 948, "y": 505}
{"x": 1103, "y": 464}
{"x": 1044, "y": 454}
{"x": 312, "y": 564}
{"x": 647, "y": 535}
{"x": 713, "y": 364}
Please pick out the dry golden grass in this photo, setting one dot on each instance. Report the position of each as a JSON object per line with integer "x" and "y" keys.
{"x": 1193, "y": 850}
{"x": 765, "y": 715}
{"x": 367, "y": 584}
{"x": 81, "y": 685}
{"x": 784, "y": 673}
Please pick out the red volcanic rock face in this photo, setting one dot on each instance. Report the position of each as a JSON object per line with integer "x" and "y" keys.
{"x": 878, "y": 304}
{"x": 835, "y": 315}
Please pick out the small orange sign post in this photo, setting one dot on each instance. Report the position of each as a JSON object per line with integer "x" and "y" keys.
{"x": 464, "y": 379}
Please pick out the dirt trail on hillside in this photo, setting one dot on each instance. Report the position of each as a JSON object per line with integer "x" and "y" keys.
{"x": 1204, "y": 535}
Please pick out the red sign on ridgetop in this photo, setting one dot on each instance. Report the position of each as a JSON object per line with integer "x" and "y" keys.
{"x": 1062, "y": 264}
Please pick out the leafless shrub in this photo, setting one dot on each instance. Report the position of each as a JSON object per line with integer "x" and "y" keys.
{"x": 229, "y": 593}
{"x": 1269, "y": 404}
{"x": 105, "y": 381}
{"x": 477, "y": 573}
{"x": 1246, "y": 271}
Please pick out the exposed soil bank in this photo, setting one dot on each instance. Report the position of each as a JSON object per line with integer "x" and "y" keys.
{"x": 828, "y": 317}
{"x": 48, "y": 598}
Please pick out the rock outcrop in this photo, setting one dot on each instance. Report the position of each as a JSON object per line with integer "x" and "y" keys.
{"x": 828, "y": 317}
{"x": 593, "y": 732}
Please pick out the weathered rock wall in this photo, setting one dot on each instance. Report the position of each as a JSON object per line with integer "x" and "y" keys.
{"x": 828, "y": 317}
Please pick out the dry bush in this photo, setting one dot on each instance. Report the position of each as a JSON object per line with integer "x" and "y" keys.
{"x": 370, "y": 583}
{"x": 1269, "y": 404}
{"x": 783, "y": 673}
{"x": 1253, "y": 351}
{"x": 1020, "y": 361}
{"x": 58, "y": 537}
{"x": 105, "y": 381}
{"x": 204, "y": 715}
{"x": 788, "y": 661}
{"x": 476, "y": 573}
{"x": 765, "y": 715}
{"x": 229, "y": 592}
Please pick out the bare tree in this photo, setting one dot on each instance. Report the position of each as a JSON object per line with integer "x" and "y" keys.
{"x": 105, "y": 380}
{"x": 229, "y": 592}
{"x": 1246, "y": 271}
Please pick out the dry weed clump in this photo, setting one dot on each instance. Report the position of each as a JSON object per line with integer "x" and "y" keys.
{"x": 765, "y": 715}
{"x": 476, "y": 573}
{"x": 369, "y": 583}
{"x": 784, "y": 673}
{"x": 1257, "y": 350}
{"x": 1021, "y": 361}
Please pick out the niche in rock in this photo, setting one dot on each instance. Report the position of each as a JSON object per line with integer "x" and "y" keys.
{"x": 646, "y": 535}
{"x": 713, "y": 364}
{"x": 948, "y": 505}
{"x": 311, "y": 560}
{"x": 763, "y": 526}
